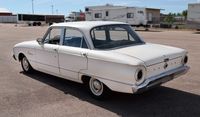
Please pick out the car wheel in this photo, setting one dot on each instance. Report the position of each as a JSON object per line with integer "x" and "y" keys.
{"x": 97, "y": 89}
{"x": 26, "y": 65}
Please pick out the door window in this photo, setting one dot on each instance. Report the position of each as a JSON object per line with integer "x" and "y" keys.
{"x": 74, "y": 38}
{"x": 53, "y": 37}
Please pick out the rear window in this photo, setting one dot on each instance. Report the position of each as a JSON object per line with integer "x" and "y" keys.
{"x": 111, "y": 36}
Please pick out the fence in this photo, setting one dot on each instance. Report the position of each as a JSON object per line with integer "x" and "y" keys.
{"x": 8, "y": 19}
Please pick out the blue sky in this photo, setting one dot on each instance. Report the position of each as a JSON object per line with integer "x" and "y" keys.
{"x": 66, "y": 6}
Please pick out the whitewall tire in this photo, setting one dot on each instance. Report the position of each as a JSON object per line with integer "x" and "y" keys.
{"x": 97, "y": 88}
{"x": 26, "y": 65}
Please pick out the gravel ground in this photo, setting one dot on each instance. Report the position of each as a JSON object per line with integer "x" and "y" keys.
{"x": 42, "y": 95}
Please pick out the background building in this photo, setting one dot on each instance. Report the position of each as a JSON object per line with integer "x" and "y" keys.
{"x": 76, "y": 16}
{"x": 193, "y": 16}
{"x": 5, "y": 12}
{"x": 6, "y": 16}
{"x": 153, "y": 15}
{"x": 135, "y": 16}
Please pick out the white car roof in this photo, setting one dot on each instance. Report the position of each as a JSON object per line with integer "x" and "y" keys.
{"x": 86, "y": 25}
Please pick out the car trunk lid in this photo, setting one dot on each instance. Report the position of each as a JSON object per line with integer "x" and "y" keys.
{"x": 157, "y": 58}
{"x": 151, "y": 54}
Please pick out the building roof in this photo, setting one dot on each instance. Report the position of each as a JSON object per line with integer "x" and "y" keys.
{"x": 86, "y": 25}
{"x": 154, "y": 8}
{"x": 198, "y": 3}
{"x": 110, "y": 6}
{"x": 3, "y": 10}
{"x": 105, "y": 6}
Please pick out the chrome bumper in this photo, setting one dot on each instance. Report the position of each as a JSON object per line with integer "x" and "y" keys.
{"x": 160, "y": 79}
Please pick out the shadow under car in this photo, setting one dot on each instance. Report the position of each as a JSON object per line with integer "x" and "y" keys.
{"x": 159, "y": 102}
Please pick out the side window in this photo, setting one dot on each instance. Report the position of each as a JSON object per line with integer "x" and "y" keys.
{"x": 98, "y": 15}
{"x": 141, "y": 12}
{"x": 74, "y": 38}
{"x": 53, "y": 36}
{"x": 107, "y": 13}
{"x": 130, "y": 15}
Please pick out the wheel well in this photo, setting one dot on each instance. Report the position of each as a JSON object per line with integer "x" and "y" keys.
{"x": 20, "y": 56}
{"x": 85, "y": 79}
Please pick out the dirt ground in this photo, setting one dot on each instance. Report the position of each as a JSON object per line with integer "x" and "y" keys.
{"x": 42, "y": 95}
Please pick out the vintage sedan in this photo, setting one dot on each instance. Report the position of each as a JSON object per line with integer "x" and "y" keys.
{"x": 104, "y": 55}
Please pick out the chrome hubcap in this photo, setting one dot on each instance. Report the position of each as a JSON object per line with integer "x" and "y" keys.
{"x": 25, "y": 64}
{"x": 96, "y": 87}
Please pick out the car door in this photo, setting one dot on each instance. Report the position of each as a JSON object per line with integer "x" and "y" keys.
{"x": 72, "y": 54}
{"x": 47, "y": 52}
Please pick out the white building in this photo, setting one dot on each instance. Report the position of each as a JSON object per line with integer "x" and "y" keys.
{"x": 193, "y": 18}
{"x": 6, "y": 16}
{"x": 135, "y": 16}
{"x": 5, "y": 12}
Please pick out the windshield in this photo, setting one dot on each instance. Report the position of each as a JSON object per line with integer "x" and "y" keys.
{"x": 112, "y": 36}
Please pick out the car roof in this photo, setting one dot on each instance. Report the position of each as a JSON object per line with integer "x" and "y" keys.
{"x": 87, "y": 25}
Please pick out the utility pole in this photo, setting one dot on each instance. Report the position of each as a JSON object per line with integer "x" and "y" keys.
{"x": 52, "y": 9}
{"x": 32, "y": 6}
{"x": 57, "y": 11}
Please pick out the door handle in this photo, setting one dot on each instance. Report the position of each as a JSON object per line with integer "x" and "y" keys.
{"x": 55, "y": 50}
{"x": 84, "y": 54}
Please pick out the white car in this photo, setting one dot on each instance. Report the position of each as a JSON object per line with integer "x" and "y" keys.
{"x": 102, "y": 54}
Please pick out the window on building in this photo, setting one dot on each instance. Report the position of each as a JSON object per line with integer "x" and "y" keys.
{"x": 98, "y": 15}
{"x": 107, "y": 13}
{"x": 141, "y": 12}
{"x": 86, "y": 9}
{"x": 130, "y": 15}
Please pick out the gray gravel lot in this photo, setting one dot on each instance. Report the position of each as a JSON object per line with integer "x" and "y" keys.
{"x": 42, "y": 95}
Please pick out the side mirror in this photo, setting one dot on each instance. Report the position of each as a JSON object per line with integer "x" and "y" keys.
{"x": 39, "y": 40}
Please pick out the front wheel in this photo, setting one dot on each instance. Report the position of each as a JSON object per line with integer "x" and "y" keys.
{"x": 26, "y": 65}
{"x": 97, "y": 89}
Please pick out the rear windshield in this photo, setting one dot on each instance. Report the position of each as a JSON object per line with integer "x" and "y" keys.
{"x": 112, "y": 36}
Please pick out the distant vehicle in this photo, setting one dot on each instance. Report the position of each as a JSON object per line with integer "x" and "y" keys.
{"x": 193, "y": 19}
{"x": 38, "y": 20}
{"x": 135, "y": 16}
{"x": 103, "y": 55}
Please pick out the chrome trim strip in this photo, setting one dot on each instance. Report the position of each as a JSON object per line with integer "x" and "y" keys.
{"x": 164, "y": 61}
{"x": 128, "y": 84}
{"x": 45, "y": 64}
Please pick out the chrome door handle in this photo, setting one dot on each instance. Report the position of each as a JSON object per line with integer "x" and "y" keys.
{"x": 55, "y": 50}
{"x": 84, "y": 54}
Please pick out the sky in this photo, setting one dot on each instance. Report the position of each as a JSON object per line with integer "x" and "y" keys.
{"x": 67, "y": 6}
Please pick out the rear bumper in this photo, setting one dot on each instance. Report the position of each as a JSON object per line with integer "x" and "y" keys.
{"x": 160, "y": 79}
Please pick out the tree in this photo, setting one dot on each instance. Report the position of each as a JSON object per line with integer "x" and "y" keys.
{"x": 178, "y": 14}
{"x": 184, "y": 13}
{"x": 170, "y": 18}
